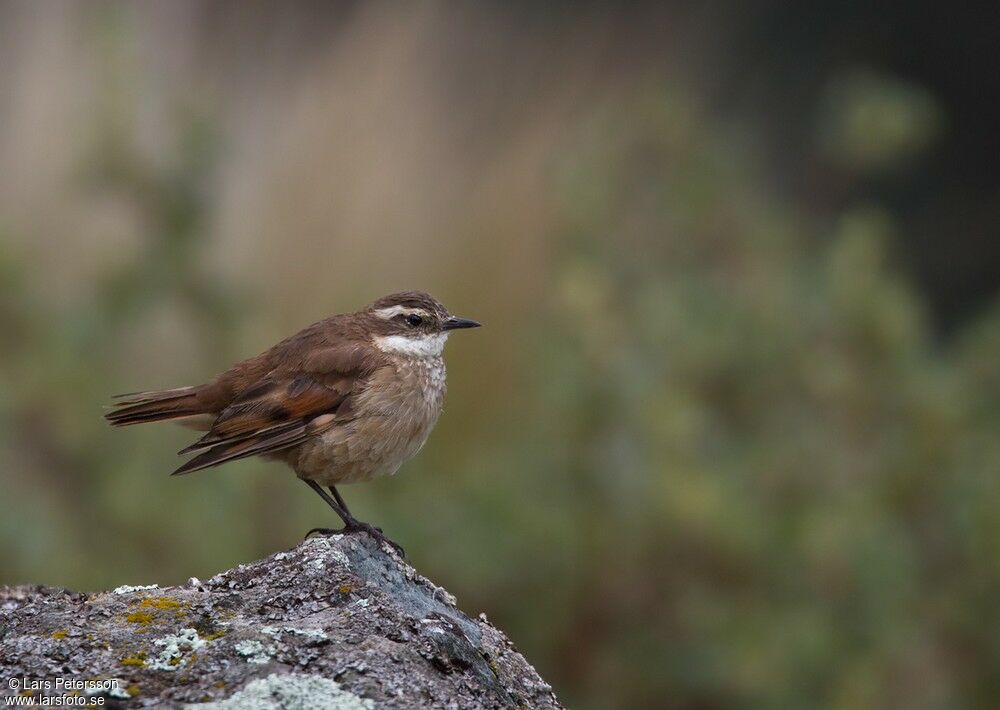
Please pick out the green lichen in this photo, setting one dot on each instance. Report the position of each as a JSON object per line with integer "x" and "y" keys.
{"x": 254, "y": 651}
{"x": 60, "y": 634}
{"x": 175, "y": 646}
{"x": 291, "y": 691}
{"x": 129, "y": 588}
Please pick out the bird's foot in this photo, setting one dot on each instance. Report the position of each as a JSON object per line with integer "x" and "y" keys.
{"x": 356, "y": 526}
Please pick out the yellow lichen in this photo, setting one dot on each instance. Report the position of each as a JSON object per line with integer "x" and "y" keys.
{"x": 138, "y": 660}
{"x": 139, "y": 617}
{"x": 345, "y": 589}
{"x": 214, "y": 635}
{"x": 60, "y": 634}
{"x": 143, "y": 617}
{"x": 133, "y": 690}
{"x": 220, "y": 684}
{"x": 161, "y": 603}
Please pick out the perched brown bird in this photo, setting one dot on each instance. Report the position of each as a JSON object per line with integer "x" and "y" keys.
{"x": 344, "y": 400}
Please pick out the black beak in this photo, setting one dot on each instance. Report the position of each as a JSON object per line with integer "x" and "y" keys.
{"x": 456, "y": 323}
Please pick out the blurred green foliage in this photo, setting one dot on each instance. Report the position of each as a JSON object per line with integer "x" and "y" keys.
{"x": 766, "y": 483}
{"x": 737, "y": 470}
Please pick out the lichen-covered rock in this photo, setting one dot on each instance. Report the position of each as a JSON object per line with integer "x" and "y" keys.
{"x": 336, "y": 622}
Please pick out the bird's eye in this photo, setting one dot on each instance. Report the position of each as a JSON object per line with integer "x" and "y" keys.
{"x": 414, "y": 320}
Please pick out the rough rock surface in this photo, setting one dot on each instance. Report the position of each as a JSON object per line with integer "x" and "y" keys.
{"x": 336, "y": 622}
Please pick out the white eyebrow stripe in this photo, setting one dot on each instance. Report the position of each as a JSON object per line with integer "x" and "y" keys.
{"x": 393, "y": 311}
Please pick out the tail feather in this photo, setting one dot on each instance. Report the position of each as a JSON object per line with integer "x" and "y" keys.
{"x": 140, "y": 407}
{"x": 152, "y": 395}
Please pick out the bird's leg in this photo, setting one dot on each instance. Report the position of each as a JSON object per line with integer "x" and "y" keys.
{"x": 351, "y": 524}
{"x": 340, "y": 501}
{"x": 344, "y": 515}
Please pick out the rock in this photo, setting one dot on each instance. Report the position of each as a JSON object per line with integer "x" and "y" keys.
{"x": 336, "y": 622}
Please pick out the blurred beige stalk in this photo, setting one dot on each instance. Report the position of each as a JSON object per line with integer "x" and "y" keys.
{"x": 398, "y": 146}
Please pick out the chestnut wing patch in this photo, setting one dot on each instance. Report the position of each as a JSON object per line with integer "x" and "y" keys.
{"x": 273, "y": 415}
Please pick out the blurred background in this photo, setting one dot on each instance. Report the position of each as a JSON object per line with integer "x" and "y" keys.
{"x": 729, "y": 438}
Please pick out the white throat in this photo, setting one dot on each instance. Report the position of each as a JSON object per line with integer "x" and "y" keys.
{"x": 431, "y": 345}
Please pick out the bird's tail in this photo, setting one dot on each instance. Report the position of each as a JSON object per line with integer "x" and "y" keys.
{"x": 139, "y": 407}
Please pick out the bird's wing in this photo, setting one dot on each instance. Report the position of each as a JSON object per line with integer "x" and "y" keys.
{"x": 296, "y": 400}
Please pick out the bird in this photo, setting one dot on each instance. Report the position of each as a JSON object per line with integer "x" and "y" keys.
{"x": 345, "y": 400}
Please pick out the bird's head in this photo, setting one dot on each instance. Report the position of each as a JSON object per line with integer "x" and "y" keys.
{"x": 412, "y": 323}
